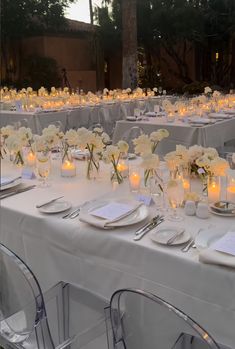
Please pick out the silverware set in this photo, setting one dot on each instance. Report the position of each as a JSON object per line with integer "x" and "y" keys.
{"x": 73, "y": 214}
{"x": 16, "y": 191}
{"x": 141, "y": 232}
{"x": 191, "y": 243}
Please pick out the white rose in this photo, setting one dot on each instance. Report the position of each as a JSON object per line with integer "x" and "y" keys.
{"x": 14, "y": 143}
{"x": 216, "y": 94}
{"x": 123, "y": 146}
{"x": 71, "y": 137}
{"x": 7, "y": 131}
{"x": 105, "y": 137}
{"x": 159, "y": 135}
{"x": 111, "y": 153}
{"x": 143, "y": 145}
{"x": 207, "y": 90}
{"x": 150, "y": 161}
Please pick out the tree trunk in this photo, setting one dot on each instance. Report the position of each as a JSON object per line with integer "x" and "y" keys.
{"x": 129, "y": 48}
{"x": 91, "y": 12}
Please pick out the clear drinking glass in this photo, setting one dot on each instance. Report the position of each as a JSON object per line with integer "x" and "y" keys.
{"x": 164, "y": 176}
{"x": 175, "y": 192}
{"x": 43, "y": 165}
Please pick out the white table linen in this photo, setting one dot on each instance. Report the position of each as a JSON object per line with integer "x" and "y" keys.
{"x": 106, "y": 114}
{"x": 105, "y": 260}
{"x": 214, "y": 135}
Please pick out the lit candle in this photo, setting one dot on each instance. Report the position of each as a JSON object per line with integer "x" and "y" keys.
{"x": 31, "y": 159}
{"x": 213, "y": 190}
{"x": 123, "y": 168}
{"x": 68, "y": 169}
{"x": 134, "y": 180}
{"x": 186, "y": 184}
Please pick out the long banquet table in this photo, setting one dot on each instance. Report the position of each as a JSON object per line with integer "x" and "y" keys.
{"x": 212, "y": 135}
{"x": 105, "y": 260}
{"x": 106, "y": 113}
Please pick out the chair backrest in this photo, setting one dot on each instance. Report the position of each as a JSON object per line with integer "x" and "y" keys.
{"x": 129, "y": 135}
{"x": 22, "y": 310}
{"x": 143, "y": 320}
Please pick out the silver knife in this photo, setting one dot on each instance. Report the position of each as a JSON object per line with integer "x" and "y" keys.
{"x": 146, "y": 225}
{"x": 18, "y": 191}
{"x": 147, "y": 230}
{"x": 49, "y": 202}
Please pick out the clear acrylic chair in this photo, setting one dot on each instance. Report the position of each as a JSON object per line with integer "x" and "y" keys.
{"x": 63, "y": 317}
{"x": 141, "y": 320}
{"x": 129, "y": 135}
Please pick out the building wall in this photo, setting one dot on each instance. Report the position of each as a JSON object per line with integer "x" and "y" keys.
{"x": 72, "y": 53}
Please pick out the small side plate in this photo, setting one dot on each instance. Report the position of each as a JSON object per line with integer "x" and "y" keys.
{"x": 162, "y": 235}
{"x": 55, "y": 207}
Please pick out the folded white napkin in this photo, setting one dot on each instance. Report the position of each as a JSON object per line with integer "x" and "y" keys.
{"x": 88, "y": 217}
{"x": 7, "y": 180}
{"x": 210, "y": 256}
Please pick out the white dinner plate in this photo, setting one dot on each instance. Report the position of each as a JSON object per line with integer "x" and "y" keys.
{"x": 203, "y": 121}
{"x": 223, "y": 214}
{"x": 137, "y": 216}
{"x": 131, "y": 118}
{"x": 10, "y": 185}
{"x": 206, "y": 237}
{"x": 55, "y": 207}
{"x": 163, "y": 234}
{"x": 219, "y": 116}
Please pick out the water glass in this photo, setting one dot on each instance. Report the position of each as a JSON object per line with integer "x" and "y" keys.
{"x": 175, "y": 193}
{"x": 43, "y": 165}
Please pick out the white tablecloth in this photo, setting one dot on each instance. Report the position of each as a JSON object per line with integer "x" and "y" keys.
{"x": 106, "y": 114}
{"x": 104, "y": 260}
{"x": 214, "y": 135}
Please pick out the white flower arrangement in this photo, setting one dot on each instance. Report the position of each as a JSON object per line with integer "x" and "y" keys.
{"x": 93, "y": 141}
{"x": 202, "y": 161}
{"x": 146, "y": 146}
{"x": 216, "y": 94}
{"x": 29, "y": 90}
{"x": 207, "y": 90}
{"x": 52, "y": 136}
{"x": 112, "y": 155}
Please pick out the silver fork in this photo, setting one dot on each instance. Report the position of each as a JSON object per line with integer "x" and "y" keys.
{"x": 191, "y": 243}
{"x": 71, "y": 214}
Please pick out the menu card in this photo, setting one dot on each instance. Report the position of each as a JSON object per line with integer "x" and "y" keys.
{"x": 226, "y": 244}
{"x": 111, "y": 211}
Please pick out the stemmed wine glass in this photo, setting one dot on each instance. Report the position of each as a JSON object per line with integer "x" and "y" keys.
{"x": 175, "y": 192}
{"x": 43, "y": 165}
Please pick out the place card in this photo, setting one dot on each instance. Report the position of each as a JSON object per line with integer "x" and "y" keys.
{"x": 147, "y": 200}
{"x": 226, "y": 244}
{"x": 18, "y": 105}
{"x": 28, "y": 173}
{"x": 113, "y": 210}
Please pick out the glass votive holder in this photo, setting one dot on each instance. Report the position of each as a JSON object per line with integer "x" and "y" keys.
{"x": 134, "y": 179}
{"x": 214, "y": 188}
{"x": 230, "y": 157}
{"x": 230, "y": 190}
